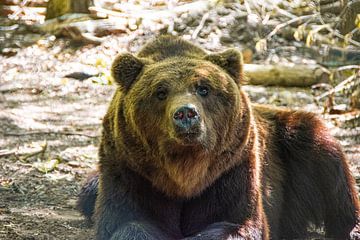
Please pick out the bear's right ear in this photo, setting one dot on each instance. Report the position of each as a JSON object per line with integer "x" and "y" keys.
{"x": 125, "y": 69}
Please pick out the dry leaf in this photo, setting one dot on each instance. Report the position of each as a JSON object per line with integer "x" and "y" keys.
{"x": 47, "y": 166}
{"x": 261, "y": 45}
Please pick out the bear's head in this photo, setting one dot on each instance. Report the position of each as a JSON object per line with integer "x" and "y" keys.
{"x": 182, "y": 111}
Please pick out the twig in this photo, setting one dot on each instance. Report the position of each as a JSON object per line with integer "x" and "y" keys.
{"x": 27, "y": 153}
{"x": 283, "y": 12}
{"x": 76, "y": 34}
{"x": 337, "y": 88}
{"x": 6, "y": 152}
{"x": 109, "y": 12}
{"x": 49, "y": 132}
{"x": 339, "y": 69}
{"x": 19, "y": 10}
{"x": 336, "y": 33}
{"x": 201, "y": 25}
{"x": 255, "y": 6}
{"x": 287, "y": 23}
{"x": 248, "y": 9}
{"x": 11, "y": 90}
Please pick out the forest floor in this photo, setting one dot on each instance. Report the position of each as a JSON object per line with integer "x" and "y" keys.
{"x": 50, "y": 127}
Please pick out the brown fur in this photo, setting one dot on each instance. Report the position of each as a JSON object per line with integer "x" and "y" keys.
{"x": 244, "y": 172}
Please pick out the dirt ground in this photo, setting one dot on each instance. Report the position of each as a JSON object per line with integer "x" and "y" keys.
{"x": 49, "y": 128}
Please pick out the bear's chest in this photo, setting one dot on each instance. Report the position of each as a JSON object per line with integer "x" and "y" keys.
{"x": 224, "y": 200}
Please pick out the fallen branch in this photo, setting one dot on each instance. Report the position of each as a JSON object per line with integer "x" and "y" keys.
{"x": 6, "y": 152}
{"x": 49, "y": 132}
{"x": 337, "y": 34}
{"x": 24, "y": 153}
{"x": 97, "y": 10}
{"x": 13, "y": 11}
{"x": 198, "y": 6}
{"x": 348, "y": 67}
{"x": 291, "y": 21}
{"x": 81, "y": 27}
{"x": 34, "y": 153}
{"x": 77, "y": 35}
{"x": 331, "y": 57}
{"x": 30, "y": 3}
{"x": 338, "y": 88}
{"x": 201, "y": 25}
{"x": 83, "y": 23}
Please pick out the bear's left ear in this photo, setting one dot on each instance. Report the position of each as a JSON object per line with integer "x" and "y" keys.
{"x": 125, "y": 69}
{"x": 231, "y": 61}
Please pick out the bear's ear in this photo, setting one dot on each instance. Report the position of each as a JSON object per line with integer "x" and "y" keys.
{"x": 125, "y": 69}
{"x": 231, "y": 61}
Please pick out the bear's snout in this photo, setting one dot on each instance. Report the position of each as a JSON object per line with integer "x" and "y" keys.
{"x": 187, "y": 119}
{"x": 187, "y": 124}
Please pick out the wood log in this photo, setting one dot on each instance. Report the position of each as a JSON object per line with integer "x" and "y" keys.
{"x": 84, "y": 24}
{"x": 285, "y": 75}
{"x": 81, "y": 27}
{"x": 57, "y": 8}
{"x": 54, "y": 26}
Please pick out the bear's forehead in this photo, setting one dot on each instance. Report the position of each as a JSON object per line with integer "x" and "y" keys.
{"x": 186, "y": 70}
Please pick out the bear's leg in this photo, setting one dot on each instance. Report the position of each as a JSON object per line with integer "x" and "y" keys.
{"x": 87, "y": 196}
{"x": 127, "y": 207}
{"x": 341, "y": 201}
{"x": 319, "y": 188}
{"x": 295, "y": 212}
{"x": 226, "y": 230}
{"x": 117, "y": 221}
{"x": 138, "y": 231}
{"x": 132, "y": 230}
{"x": 219, "y": 230}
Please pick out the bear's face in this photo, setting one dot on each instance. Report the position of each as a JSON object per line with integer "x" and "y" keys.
{"x": 180, "y": 109}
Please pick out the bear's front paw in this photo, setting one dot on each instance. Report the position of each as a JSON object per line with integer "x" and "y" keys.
{"x": 218, "y": 231}
{"x": 355, "y": 233}
{"x": 215, "y": 236}
{"x": 207, "y": 237}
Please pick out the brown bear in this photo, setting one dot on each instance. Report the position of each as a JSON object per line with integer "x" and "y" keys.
{"x": 185, "y": 155}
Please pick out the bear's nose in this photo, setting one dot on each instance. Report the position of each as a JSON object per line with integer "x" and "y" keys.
{"x": 186, "y": 116}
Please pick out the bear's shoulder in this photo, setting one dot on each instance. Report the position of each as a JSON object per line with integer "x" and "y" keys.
{"x": 286, "y": 118}
{"x": 293, "y": 129}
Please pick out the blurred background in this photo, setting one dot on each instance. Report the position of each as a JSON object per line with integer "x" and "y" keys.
{"x": 55, "y": 84}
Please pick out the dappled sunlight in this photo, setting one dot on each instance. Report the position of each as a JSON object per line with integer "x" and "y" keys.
{"x": 55, "y": 86}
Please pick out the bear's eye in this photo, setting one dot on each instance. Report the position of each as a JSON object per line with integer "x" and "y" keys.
{"x": 161, "y": 93}
{"x": 203, "y": 90}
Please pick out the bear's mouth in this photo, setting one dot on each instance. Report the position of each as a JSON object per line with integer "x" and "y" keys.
{"x": 189, "y": 137}
{"x": 193, "y": 137}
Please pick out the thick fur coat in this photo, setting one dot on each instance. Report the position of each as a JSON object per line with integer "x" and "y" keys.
{"x": 185, "y": 155}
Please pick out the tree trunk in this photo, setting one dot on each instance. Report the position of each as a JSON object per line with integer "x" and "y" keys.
{"x": 348, "y": 11}
{"x": 57, "y": 8}
{"x": 355, "y": 99}
{"x": 348, "y": 19}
